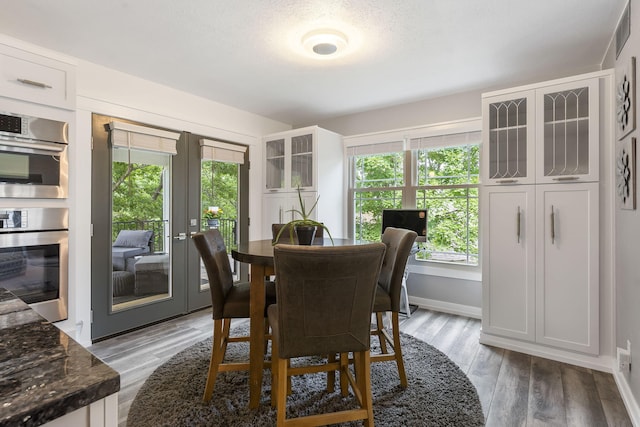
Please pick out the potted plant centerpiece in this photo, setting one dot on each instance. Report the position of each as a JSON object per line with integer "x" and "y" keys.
{"x": 305, "y": 227}
{"x": 212, "y": 216}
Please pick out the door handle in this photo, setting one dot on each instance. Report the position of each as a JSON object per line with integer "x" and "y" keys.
{"x": 180, "y": 236}
{"x": 553, "y": 226}
{"x": 518, "y": 218}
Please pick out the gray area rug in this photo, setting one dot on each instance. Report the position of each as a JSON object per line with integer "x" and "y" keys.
{"x": 439, "y": 393}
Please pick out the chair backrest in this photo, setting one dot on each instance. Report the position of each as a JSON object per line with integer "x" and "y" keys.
{"x": 325, "y": 297}
{"x": 399, "y": 242}
{"x": 210, "y": 245}
{"x": 285, "y": 236}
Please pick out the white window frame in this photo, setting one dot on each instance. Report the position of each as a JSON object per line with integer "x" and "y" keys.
{"x": 366, "y": 144}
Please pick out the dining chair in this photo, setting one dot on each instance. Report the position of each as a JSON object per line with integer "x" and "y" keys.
{"x": 398, "y": 242}
{"x": 229, "y": 301}
{"x": 325, "y": 297}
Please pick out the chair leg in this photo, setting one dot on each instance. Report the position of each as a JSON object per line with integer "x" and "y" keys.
{"x": 344, "y": 380}
{"x": 281, "y": 391}
{"x": 275, "y": 373}
{"x": 363, "y": 379}
{"x": 397, "y": 349}
{"x": 217, "y": 355}
{"x": 331, "y": 375}
{"x": 378, "y": 331}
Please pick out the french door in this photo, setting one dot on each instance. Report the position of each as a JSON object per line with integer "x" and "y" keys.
{"x": 147, "y": 196}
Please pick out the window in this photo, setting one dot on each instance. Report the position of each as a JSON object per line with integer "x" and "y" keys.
{"x": 439, "y": 173}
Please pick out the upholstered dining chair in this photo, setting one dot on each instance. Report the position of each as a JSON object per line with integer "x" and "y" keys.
{"x": 388, "y": 292}
{"x": 325, "y": 296}
{"x": 229, "y": 301}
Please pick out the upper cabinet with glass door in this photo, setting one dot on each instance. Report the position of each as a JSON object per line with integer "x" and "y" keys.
{"x": 508, "y": 149}
{"x": 567, "y": 129}
{"x": 543, "y": 133}
{"x": 292, "y": 159}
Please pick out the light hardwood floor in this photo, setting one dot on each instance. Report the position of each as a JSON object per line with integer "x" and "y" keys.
{"x": 515, "y": 389}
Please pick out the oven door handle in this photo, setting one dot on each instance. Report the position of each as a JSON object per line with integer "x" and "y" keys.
{"x": 50, "y": 147}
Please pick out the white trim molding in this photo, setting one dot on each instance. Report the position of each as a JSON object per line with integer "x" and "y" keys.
{"x": 447, "y": 307}
{"x": 627, "y": 397}
{"x": 602, "y": 363}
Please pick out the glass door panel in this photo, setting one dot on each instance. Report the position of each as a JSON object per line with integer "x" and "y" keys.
{"x": 141, "y": 249}
{"x": 274, "y": 173}
{"x": 508, "y": 139}
{"x": 219, "y": 201}
{"x": 302, "y": 161}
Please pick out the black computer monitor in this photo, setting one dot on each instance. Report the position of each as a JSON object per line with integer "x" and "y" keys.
{"x": 411, "y": 219}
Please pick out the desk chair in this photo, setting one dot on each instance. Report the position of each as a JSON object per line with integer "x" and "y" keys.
{"x": 399, "y": 243}
{"x": 325, "y": 296}
{"x": 229, "y": 301}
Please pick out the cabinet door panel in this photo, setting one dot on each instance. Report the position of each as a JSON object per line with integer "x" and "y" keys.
{"x": 567, "y": 273}
{"x": 567, "y": 132}
{"x": 508, "y": 261}
{"x": 508, "y": 154}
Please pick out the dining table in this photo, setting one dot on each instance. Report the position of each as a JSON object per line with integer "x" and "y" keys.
{"x": 259, "y": 255}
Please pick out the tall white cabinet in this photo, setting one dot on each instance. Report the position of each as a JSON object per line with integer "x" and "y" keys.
{"x": 310, "y": 158}
{"x": 540, "y": 216}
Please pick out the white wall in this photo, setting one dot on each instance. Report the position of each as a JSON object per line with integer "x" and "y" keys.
{"x": 627, "y": 245}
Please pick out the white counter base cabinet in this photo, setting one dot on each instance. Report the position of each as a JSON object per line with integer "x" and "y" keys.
{"x": 102, "y": 413}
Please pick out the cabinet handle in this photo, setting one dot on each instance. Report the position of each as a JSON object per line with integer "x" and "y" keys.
{"x": 34, "y": 83}
{"x": 553, "y": 226}
{"x": 506, "y": 181}
{"x": 280, "y": 215}
{"x": 566, "y": 178}
{"x": 518, "y": 217}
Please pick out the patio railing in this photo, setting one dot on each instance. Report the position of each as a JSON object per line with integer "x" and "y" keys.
{"x": 227, "y": 226}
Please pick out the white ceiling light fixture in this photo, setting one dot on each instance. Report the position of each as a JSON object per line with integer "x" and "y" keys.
{"x": 324, "y": 43}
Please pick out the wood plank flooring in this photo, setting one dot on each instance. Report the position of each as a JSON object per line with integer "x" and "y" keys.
{"x": 515, "y": 389}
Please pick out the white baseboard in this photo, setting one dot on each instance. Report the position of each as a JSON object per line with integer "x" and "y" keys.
{"x": 447, "y": 307}
{"x": 627, "y": 397}
{"x": 599, "y": 363}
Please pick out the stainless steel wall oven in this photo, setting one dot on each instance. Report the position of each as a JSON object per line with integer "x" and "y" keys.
{"x": 34, "y": 258}
{"x": 33, "y": 157}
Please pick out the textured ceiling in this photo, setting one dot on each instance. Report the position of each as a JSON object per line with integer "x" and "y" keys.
{"x": 242, "y": 52}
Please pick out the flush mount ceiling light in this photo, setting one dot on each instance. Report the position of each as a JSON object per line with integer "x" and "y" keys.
{"x": 324, "y": 43}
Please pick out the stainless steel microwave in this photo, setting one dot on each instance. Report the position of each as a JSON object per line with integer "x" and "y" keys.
{"x": 33, "y": 157}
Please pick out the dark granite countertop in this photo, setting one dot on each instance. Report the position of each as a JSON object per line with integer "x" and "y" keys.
{"x": 44, "y": 373}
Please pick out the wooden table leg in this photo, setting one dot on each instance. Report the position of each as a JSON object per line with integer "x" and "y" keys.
{"x": 256, "y": 343}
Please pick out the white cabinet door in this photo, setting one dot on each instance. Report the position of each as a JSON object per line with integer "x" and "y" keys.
{"x": 567, "y": 296}
{"x": 508, "y": 149}
{"x": 508, "y": 261}
{"x": 277, "y": 208}
{"x": 30, "y": 77}
{"x": 567, "y": 132}
{"x": 290, "y": 160}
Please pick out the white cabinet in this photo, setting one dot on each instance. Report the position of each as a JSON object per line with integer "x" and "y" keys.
{"x": 567, "y": 241}
{"x": 311, "y": 159}
{"x": 278, "y": 207}
{"x": 508, "y": 261}
{"x": 540, "y": 215}
{"x": 567, "y": 132}
{"x": 508, "y": 149}
{"x": 35, "y": 78}
{"x": 544, "y": 135}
